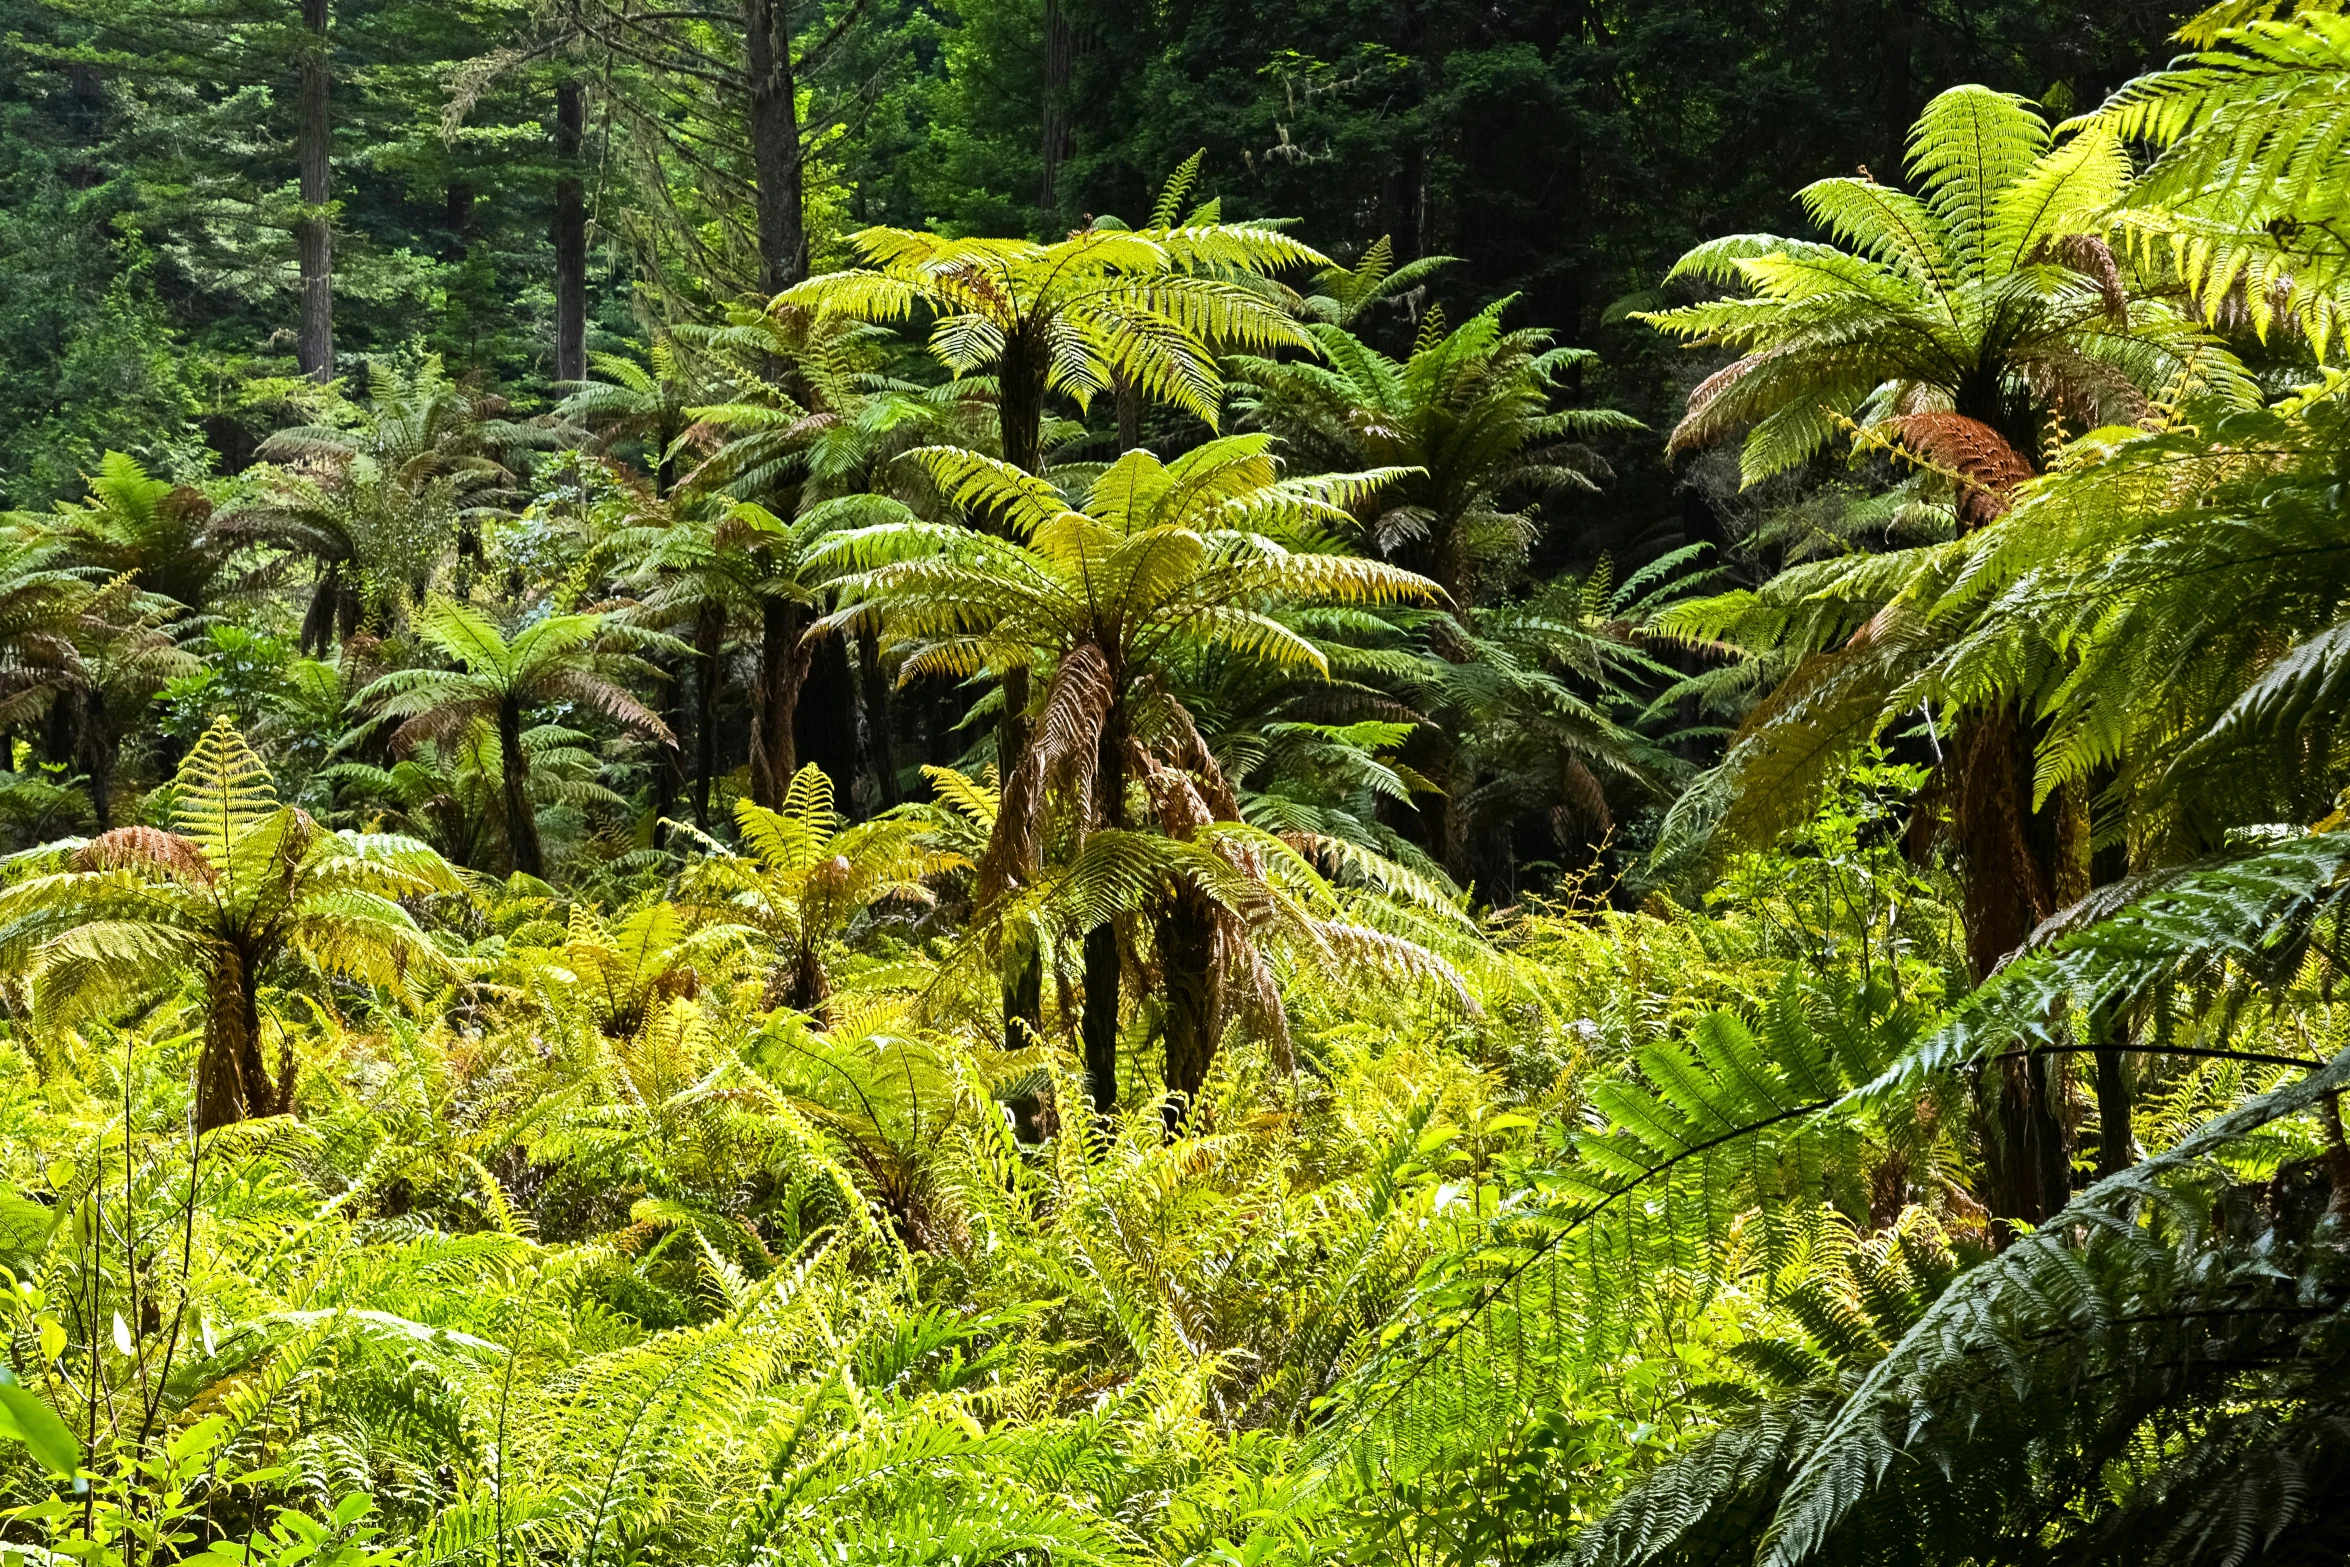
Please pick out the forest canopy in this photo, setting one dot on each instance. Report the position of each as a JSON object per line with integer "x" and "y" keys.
{"x": 1005, "y": 782}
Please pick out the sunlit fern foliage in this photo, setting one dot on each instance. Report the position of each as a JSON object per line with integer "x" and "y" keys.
{"x": 242, "y": 884}
{"x": 450, "y": 793}
{"x": 2244, "y": 199}
{"x": 1466, "y": 421}
{"x": 1987, "y": 294}
{"x": 807, "y": 876}
{"x": 378, "y": 494}
{"x": 685, "y": 1205}
{"x": 590, "y": 660}
{"x": 825, "y": 430}
{"x": 1152, "y": 307}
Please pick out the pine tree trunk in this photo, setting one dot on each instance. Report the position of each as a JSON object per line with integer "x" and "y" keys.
{"x": 314, "y": 343}
{"x": 570, "y": 235}
{"x": 776, "y": 170}
{"x": 522, "y": 823}
{"x": 1060, "y": 53}
{"x": 2010, "y": 872}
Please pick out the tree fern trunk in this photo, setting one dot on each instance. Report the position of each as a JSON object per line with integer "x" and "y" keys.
{"x": 1098, "y": 1028}
{"x": 522, "y": 823}
{"x": 2116, "y": 1136}
{"x": 2116, "y": 1140}
{"x": 827, "y": 714}
{"x": 232, "y": 1081}
{"x": 1020, "y": 377}
{"x": 1023, "y": 997}
{"x": 2010, "y": 873}
{"x": 1129, "y": 413}
{"x": 97, "y": 754}
{"x": 1187, "y": 964}
{"x": 810, "y": 985}
{"x": 775, "y": 706}
{"x": 318, "y": 621}
{"x": 669, "y": 781}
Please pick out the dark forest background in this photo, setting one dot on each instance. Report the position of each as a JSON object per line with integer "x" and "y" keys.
{"x": 1567, "y": 153}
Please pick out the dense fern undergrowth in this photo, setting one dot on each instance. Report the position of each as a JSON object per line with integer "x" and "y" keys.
{"x": 802, "y": 956}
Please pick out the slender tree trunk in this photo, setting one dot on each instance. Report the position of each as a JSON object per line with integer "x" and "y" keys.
{"x": 1020, "y": 420}
{"x": 1099, "y": 1027}
{"x": 314, "y": 344}
{"x": 880, "y": 719}
{"x": 709, "y": 670}
{"x": 1897, "y": 109}
{"x": 570, "y": 235}
{"x": 670, "y": 782}
{"x": 2010, "y": 877}
{"x": 457, "y": 217}
{"x": 2116, "y": 1140}
{"x": 522, "y": 823}
{"x": 783, "y": 664}
{"x": 2117, "y": 1147}
{"x": 1024, "y": 972}
{"x": 776, "y": 171}
{"x": 1060, "y": 53}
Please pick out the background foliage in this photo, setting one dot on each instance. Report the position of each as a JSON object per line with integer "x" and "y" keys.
{"x": 878, "y": 783}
